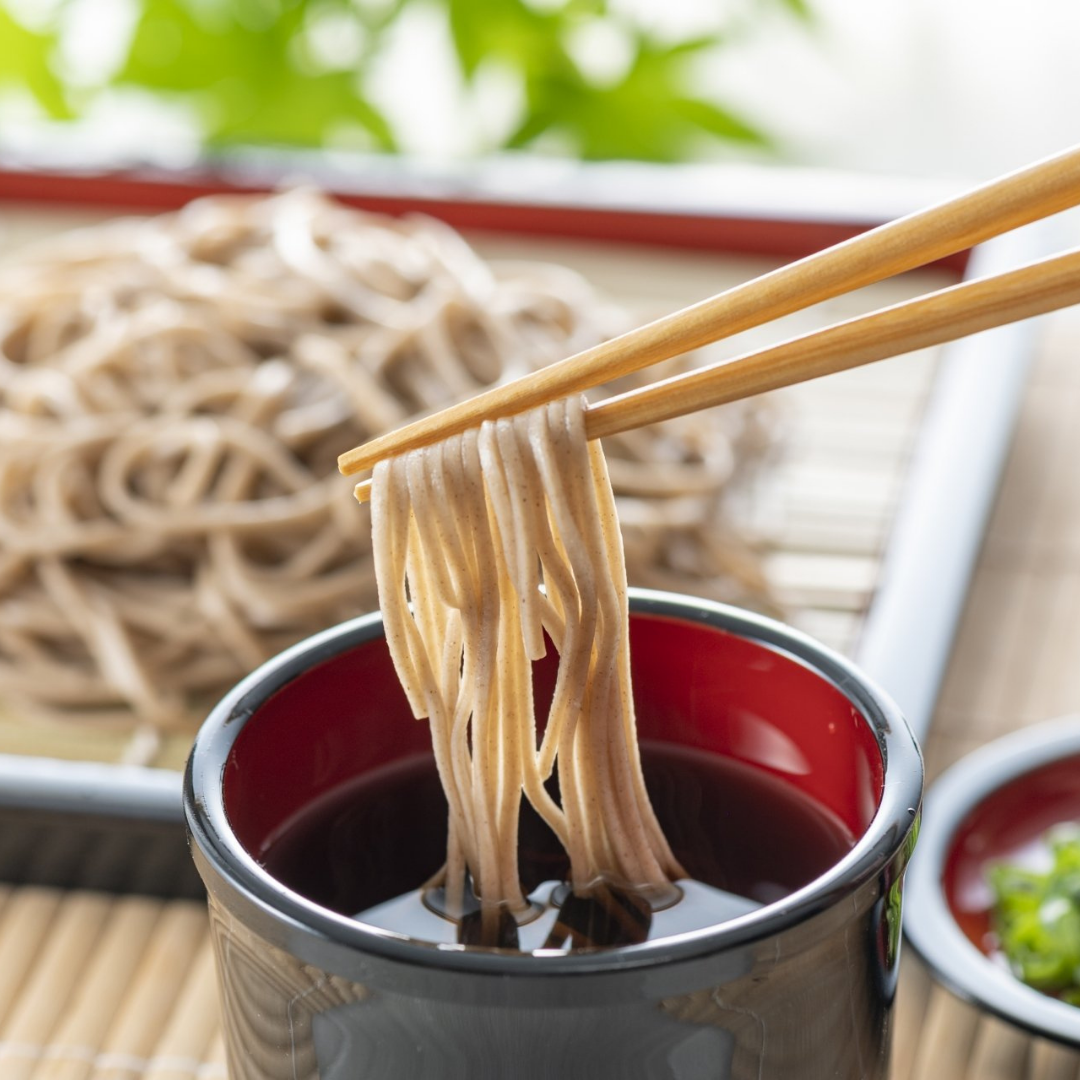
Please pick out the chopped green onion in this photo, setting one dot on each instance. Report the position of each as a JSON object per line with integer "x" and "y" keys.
{"x": 1036, "y": 917}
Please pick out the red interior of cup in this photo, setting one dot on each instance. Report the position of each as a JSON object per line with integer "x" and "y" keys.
{"x": 1001, "y": 828}
{"x": 694, "y": 685}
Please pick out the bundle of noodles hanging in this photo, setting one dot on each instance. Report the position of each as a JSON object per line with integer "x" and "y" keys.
{"x": 483, "y": 544}
{"x": 173, "y": 395}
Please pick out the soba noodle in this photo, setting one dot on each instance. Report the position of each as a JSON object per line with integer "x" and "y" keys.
{"x": 173, "y": 395}
{"x": 497, "y": 537}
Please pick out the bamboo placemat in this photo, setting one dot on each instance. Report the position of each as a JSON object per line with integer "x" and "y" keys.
{"x": 1014, "y": 664}
{"x": 823, "y": 508}
{"x": 97, "y": 987}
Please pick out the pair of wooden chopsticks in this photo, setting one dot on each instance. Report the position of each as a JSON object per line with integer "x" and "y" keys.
{"x": 1017, "y": 199}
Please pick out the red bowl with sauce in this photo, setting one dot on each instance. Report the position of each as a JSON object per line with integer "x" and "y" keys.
{"x": 994, "y": 806}
{"x": 798, "y": 985}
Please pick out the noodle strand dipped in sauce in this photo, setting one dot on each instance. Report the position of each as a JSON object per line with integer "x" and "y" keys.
{"x": 483, "y": 545}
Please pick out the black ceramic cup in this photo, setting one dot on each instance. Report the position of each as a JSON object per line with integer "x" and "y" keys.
{"x": 800, "y": 988}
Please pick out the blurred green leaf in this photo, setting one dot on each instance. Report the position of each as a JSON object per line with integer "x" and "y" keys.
{"x": 25, "y": 60}
{"x": 239, "y": 63}
{"x": 646, "y": 115}
{"x": 799, "y": 8}
{"x": 510, "y": 30}
{"x": 1036, "y": 916}
{"x": 292, "y": 71}
{"x": 719, "y": 121}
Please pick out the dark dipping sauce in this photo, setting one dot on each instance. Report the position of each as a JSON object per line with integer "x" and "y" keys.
{"x": 734, "y": 828}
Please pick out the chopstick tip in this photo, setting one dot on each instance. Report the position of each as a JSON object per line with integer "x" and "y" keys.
{"x": 352, "y": 461}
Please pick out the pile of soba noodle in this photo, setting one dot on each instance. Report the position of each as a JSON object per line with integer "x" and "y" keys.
{"x": 499, "y": 536}
{"x": 173, "y": 396}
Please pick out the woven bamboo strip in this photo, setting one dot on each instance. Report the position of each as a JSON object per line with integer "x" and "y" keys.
{"x": 53, "y": 976}
{"x": 1051, "y": 1062}
{"x": 948, "y": 1035}
{"x": 909, "y": 1016}
{"x": 152, "y": 995}
{"x": 101, "y": 989}
{"x": 1055, "y": 683}
{"x": 193, "y": 1024}
{"x": 213, "y": 1066}
{"x": 24, "y": 921}
{"x": 1000, "y": 1051}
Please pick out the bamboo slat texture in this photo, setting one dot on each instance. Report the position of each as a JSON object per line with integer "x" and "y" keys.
{"x": 1014, "y": 664}
{"x": 824, "y": 506}
{"x": 97, "y": 987}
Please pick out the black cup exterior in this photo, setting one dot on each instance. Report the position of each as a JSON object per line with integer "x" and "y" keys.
{"x": 801, "y": 989}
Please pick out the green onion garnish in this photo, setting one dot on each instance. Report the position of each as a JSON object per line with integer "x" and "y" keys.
{"x": 1036, "y": 916}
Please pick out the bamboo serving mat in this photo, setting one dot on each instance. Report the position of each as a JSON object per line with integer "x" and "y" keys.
{"x": 823, "y": 509}
{"x": 1014, "y": 664}
{"x": 97, "y": 987}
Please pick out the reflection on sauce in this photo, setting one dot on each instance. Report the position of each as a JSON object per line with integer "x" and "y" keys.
{"x": 746, "y": 837}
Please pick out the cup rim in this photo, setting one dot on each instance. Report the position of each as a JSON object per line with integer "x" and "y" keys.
{"x": 893, "y": 821}
{"x": 928, "y": 921}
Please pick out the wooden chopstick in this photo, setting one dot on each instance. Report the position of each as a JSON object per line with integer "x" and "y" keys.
{"x": 928, "y": 320}
{"x": 1016, "y": 199}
